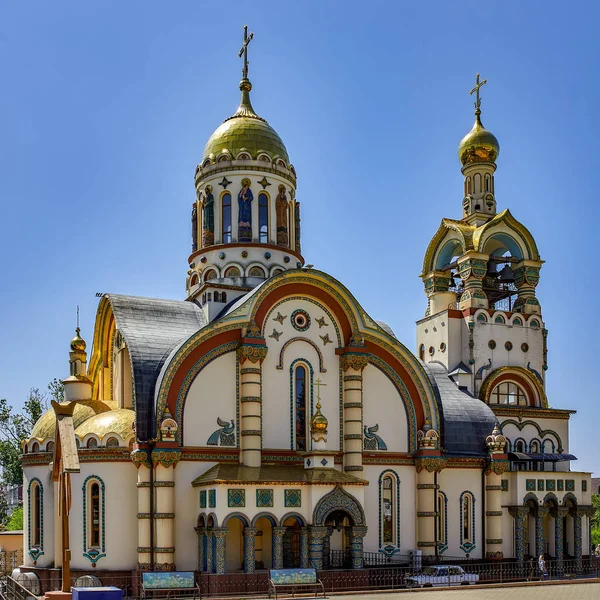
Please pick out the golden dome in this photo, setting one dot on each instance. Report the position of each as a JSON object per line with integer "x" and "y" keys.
{"x": 45, "y": 426}
{"x": 245, "y": 130}
{"x": 78, "y": 343}
{"x": 319, "y": 421}
{"x": 119, "y": 421}
{"x": 479, "y": 145}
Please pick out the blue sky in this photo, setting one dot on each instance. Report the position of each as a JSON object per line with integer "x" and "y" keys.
{"x": 106, "y": 106}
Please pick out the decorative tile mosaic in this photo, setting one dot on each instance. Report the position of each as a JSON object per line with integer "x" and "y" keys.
{"x": 293, "y": 498}
{"x": 212, "y": 498}
{"x": 264, "y": 498}
{"x": 560, "y": 485}
{"x": 504, "y": 484}
{"x": 202, "y": 498}
{"x": 540, "y": 485}
{"x": 236, "y": 498}
{"x": 550, "y": 485}
{"x": 530, "y": 485}
{"x": 570, "y": 485}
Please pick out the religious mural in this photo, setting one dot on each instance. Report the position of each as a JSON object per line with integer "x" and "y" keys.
{"x": 208, "y": 218}
{"x": 281, "y": 209}
{"x": 245, "y": 199}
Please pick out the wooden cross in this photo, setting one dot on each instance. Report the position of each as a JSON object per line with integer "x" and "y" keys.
{"x": 244, "y": 51}
{"x": 319, "y": 383}
{"x": 475, "y": 91}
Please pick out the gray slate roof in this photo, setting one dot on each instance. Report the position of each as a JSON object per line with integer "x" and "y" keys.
{"x": 152, "y": 328}
{"x": 466, "y": 421}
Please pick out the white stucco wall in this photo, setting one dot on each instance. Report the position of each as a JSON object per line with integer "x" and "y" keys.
{"x": 44, "y": 474}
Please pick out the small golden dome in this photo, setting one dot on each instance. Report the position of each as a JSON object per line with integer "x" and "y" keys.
{"x": 78, "y": 343}
{"x": 119, "y": 421}
{"x": 245, "y": 131}
{"x": 479, "y": 145}
{"x": 318, "y": 421}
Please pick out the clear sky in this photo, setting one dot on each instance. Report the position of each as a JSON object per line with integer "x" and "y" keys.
{"x": 105, "y": 108}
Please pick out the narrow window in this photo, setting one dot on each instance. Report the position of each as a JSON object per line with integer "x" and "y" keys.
{"x": 422, "y": 352}
{"x": 224, "y": 297}
{"x": 387, "y": 511}
{"x": 95, "y": 515}
{"x": 468, "y": 185}
{"x": 263, "y": 217}
{"x": 477, "y": 179}
{"x": 36, "y": 516}
{"x": 226, "y": 218}
{"x": 467, "y": 525}
{"x": 487, "y": 183}
{"x": 441, "y": 522}
{"x": 300, "y": 391}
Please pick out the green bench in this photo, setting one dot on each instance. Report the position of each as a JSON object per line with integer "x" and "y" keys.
{"x": 175, "y": 584}
{"x": 294, "y": 580}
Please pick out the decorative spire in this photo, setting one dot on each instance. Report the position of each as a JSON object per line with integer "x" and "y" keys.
{"x": 244, "y": 52}
{"x": 475, "y": 91}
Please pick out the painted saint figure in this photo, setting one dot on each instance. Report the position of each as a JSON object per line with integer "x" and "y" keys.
{"x": 208, "y": 218}
{"x": 297, "y": 215}
{"x": 245, "y": 198}
{"x": 194, "y": 227}
{"x": 281, "y": 209}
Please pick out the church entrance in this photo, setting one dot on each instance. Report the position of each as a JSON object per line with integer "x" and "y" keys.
{"x": 292, "y": 542}
{"x": 336, "y": 552}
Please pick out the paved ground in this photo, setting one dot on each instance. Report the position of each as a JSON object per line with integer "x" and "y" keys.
{"x": 570, "y": 591}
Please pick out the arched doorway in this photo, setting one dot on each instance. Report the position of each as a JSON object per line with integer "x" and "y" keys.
{"x": 529, "y": 527}
{"x": 234, "y": 542}
{"x": 336, "y": 554}
{"x": 569, "y": 533}
{"x": 293, "y": 524}
{"x": 263, "y": 541}
{"x": 550, "y": 519}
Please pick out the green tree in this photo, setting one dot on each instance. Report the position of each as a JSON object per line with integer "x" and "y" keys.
{"x": 596, "y": 520}
{"x": 15, "y": 523}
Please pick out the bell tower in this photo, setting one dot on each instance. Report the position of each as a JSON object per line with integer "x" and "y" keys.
{"x": 246, "y": 218}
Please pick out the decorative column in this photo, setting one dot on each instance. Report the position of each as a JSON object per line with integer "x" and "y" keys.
{"x": 353, "y": 363}
{"x": 437, "y": 285}
{"x": 288, "y": 561}
{"x": 496, "y": 466}
{"x": 472, "y": 267}
{"x": 209, "y": 551}
{"x": 141, "y": 461}
{"x": 278, "y": 537}
{"x": 327, "y": 548}
{"x": 164, "y": 461}
{"x": 559, "y": 513}
{"x": 304, "y": 555}
{"x": 220, "y": 534}
{"x": 251, "y": 353}
{"x": 428, "y": 463}
{"x": 527, "y": 276}
{"x": 577, "y": 536}
{"x": 315, "y": 550}
{"x": 201, "y": 533}
{"x": 540, "y": 540}
{"x": 519, "y": 513}
{"x": 250, "y": 549}
{"x": 356, "y": 546}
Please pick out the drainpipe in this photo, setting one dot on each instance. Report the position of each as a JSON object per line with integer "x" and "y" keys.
{"x": 437, "y": 519}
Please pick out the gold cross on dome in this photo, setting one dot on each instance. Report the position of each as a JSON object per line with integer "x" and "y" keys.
{"x": 319, "y": 384}
{"x": 475, "y": 91}
{"x": 244, "y": 51}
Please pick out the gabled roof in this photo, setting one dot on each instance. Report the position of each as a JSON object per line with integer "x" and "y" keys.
{"x": 461, "y": 369}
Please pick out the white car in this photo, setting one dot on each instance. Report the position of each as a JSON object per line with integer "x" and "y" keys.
{"x": 441, "y": 575}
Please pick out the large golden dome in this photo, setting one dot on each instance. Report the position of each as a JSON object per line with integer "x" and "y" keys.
{"x": 118, "y": 421}
{"x": 245, "y": 130}
{"x": 479, "y": 145}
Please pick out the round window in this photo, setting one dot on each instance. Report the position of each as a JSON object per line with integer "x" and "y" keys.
{"x": 431, "y": 350}
{"x": 491, "y": 344}
{"x": 300, "y": 320}
{"x": 508, "y": 346}
{"x": 525, "y": 347}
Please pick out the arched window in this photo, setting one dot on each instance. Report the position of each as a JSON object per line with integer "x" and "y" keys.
{"x": 35, "y": 447}
{"x": 481, "y": 318}
{"x": 256, "y": 272}
{"x": 487, "y": 183}
{"x": 442, "y": 522}
{"x": 210, "y": 274}
{"x": 499, "y": 319}
{"x": 232, "y": 272}
{"x": 300, "y": 377}
{"x": 36, "y": 512}
{"x": 224, "y": 297}
{"x": 112, "y": 442}
{"x": 517, "y": 321}
{"x": 194, "y": 279}
{"x": 226, "y": 218}
{"x": 477, "y": 180}
{"x": 50, "y": 447}
{"x": 389, "y": 510}
{"x": 467, "y": 521}
{"x": 535, "y": 323}
{"x": 422, "y": 352}
{"x": 93, "y": 529}
{"x": 92, "y": 443}
{"x": 508, "y": 393}
{"x": 520, "y": 446}
{"x": 263, "y": 217}
{"x": 468, "y": 185}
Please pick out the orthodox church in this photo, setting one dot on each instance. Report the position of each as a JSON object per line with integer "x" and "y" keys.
{"x": 267, "y": 421}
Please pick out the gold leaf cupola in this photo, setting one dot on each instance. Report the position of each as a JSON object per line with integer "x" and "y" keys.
{"x": 246, "y": 219}
{"x": 478, "y": 152}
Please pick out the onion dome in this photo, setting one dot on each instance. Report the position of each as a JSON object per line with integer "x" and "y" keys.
{"x": 45, "y": 426}
{"x": 78, "y": 343}
{"x": 119, "y": 421}
{"x": 245, "y": 131}
{"x": 479, "y": 145}
{"x": 319, "y": 422}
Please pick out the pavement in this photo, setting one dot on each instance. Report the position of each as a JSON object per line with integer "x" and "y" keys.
{"x": 567, "y": 591}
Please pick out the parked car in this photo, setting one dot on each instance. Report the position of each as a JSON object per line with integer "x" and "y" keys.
{"x": 441, "y": 575}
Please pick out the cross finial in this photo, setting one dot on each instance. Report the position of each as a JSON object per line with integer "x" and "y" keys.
{"x": 319, "y": 384}
{"x": 244, "y": 51}
{"x": 475, "y": 91}
{"x": 78, "y": 318}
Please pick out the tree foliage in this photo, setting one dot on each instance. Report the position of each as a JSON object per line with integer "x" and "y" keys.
{"x": 15, "y": 523}
{"x": 596, "y": 520}
{"x": 16, "y": 425}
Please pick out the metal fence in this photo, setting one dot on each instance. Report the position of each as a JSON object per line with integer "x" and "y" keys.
{"x": 378, "y": 577}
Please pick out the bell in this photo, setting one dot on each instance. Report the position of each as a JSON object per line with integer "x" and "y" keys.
{"x": 491, "y": 270}
{"x": 506, "y": 275}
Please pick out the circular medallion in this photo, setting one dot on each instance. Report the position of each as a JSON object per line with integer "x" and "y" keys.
{"x": 300, "y": 320}
{"x": 508, "y": 346}
{"x": 286, "y": 259}
{"x": 491, "y": 344}
{"x": 203, "y": 259}
{"x": 244, "y": 254}
{"x": 267, "y": 255}
{"x": 221, "y": 255}
{"x": 524, "y": 347}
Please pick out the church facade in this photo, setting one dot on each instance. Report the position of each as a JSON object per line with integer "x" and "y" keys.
{"x": 268, "y": 421}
